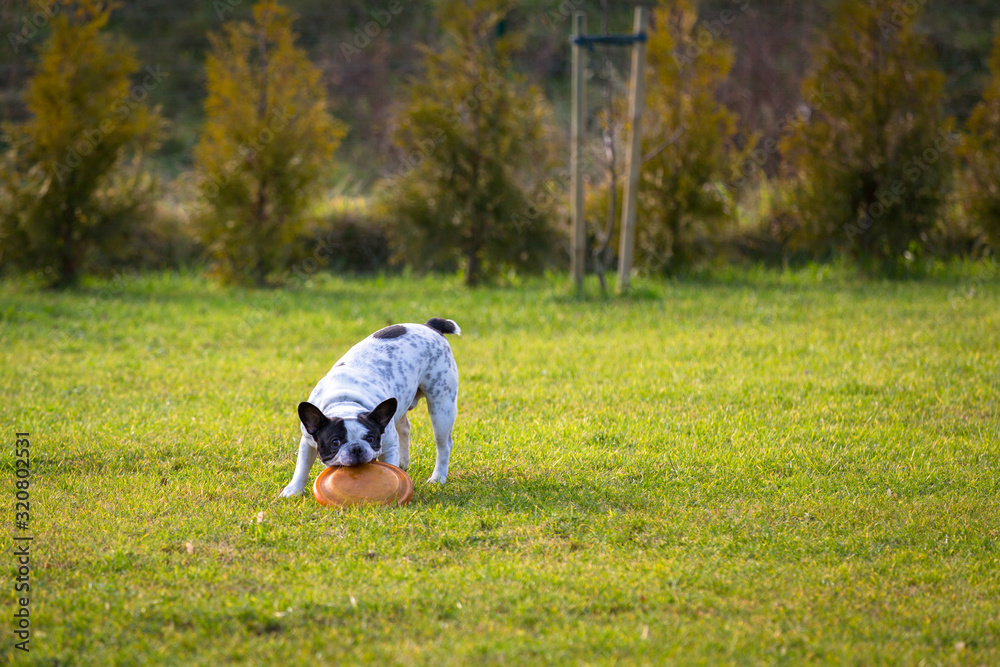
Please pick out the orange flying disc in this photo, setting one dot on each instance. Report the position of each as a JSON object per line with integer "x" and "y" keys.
{"x": 371, "y": 483}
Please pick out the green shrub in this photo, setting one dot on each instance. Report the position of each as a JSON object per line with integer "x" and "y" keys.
{"x": 765, "y": 227}
{"x": 162, "y": 240}
{"x": 475, "y": 155}
{"x": 689, "y": 142}
{"x": 981, "y": 150}
{"x": 72, "y": 189}
{"x": 872, "y": 155}
{"x": 267, "y": 140}
{"x": 344, "y": 243}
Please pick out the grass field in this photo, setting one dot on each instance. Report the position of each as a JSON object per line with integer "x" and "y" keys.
{"x": 759, "y": 468}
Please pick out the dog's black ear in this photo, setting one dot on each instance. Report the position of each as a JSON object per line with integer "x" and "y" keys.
{"x": 382, "y": 415}
{"x": 312, "y": 418}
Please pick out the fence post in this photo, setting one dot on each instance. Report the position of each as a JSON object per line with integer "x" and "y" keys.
{"x": 577, "y": 129}
{"x": 633, "y": 153}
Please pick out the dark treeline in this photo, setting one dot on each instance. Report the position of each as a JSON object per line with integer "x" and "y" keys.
{"x": 771, "y": 39}
{"x": 774, "y": 131}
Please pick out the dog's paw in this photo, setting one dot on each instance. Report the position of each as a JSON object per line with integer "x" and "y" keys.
{"x": 292, "y": 490}
{"x": 436, "y": 479}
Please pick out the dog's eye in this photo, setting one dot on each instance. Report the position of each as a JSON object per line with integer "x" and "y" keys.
{"x": 369, "y": 439}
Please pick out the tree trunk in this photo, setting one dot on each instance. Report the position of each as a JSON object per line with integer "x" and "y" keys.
{"x": 866, "y": 240}
{"x": 259, "y": 235}
{"x": 69, "y": 267}
{"x": 473, "y": 268}
{"x": 260, "y": 215}
{"x": 69, "y": 275}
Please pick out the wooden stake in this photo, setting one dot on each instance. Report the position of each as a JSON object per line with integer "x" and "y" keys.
{"x": 578, "y": 123}
{"x": 633, "y": 153}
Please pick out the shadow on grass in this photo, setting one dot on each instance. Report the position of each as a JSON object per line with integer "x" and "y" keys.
{"x": 548, "y": 491}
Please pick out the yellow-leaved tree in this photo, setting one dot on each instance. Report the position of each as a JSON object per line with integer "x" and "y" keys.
{"x": 981, "y": 150}
{"x": 70, "y": 185}
{"x": 477, "y": 153}
{"x": 871, "y": 161}
{"x": 267, "y": 140}
{"x": 689, "y": 142}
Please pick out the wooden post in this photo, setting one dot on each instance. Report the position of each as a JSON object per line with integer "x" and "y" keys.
{"x": 633, "y": 152}
{"x": 578, "y": 125}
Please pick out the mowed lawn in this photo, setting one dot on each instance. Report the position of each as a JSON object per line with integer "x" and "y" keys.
{"x": 760, "y": 469}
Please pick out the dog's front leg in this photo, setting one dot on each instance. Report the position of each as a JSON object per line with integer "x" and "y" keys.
{"x": 390, "y": 446}
{"x": 303, "y": 464}
{"x": 403, "y": 433}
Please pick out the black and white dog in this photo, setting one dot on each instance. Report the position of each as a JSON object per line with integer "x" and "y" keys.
{"x": 348, "y": 416}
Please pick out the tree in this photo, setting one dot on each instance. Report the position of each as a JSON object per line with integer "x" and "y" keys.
{"x": 872, "y": 157}
{"x": 981, "y": 151}
{"x": 67, "y": 191}
{"x": 475, "y": 153}
{"x": 689, "y": 140}
{"x": 267, "y": 140}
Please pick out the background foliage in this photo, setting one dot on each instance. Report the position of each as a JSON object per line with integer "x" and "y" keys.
{"x": 754, "y": 64}
{"x": 690, "y": 143}
{"x": 266, "y": 142}
{"x": 475, "y": 153}
{"x": 70, "y": 186}
{"x": 982, "y": 151}
{"x": 872, "y": 154}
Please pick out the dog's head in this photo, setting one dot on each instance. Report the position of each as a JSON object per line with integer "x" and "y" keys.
{"x": 348, "y": 441}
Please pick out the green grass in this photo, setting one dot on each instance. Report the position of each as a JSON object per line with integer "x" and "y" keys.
{"x": 759, "y": 468}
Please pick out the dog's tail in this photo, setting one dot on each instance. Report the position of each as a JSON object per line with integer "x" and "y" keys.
{"x": 444, "y": 326}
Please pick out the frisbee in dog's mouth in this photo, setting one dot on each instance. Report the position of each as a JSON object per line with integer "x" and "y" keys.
{"x": 374, "y": 483}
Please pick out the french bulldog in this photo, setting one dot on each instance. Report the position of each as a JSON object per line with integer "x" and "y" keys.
{"x": 357, "y": 412}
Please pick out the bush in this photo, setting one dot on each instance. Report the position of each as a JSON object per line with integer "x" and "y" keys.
{"x": 981, "y": 150}
{"x": 872, "y": 154}
{"x": 689, "y": 140}
{"x": 475, "y": 155}
{"x": 70, "y": 191}
{"x": 765, "y": 227}
{"x": 161, "y": 240}
{"x": 266, "y": 142}
{"x": 344, "y": 243}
